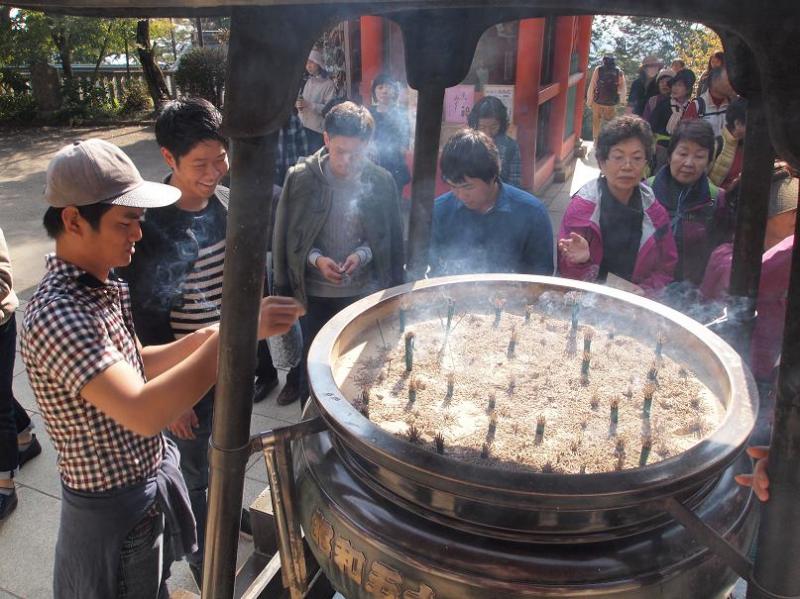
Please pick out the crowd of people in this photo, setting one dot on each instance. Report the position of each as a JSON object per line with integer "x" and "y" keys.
{"x": 120, "y": 339}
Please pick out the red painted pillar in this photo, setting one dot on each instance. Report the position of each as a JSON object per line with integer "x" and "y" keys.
{"x": 371, "y": 54}
{"x": 526, "y": 93}
{"x": 584, "y": 41}
{"x": 558, "y": 116}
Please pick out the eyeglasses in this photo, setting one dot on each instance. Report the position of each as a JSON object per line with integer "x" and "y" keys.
{"x": 634, "y": 161}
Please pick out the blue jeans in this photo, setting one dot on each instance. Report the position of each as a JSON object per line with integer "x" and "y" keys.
{"x": 143, "y": 566}
{"x": 194, "y": 465}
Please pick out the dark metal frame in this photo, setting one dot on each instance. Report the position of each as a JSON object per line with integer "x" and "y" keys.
{"x": 265, "y": 65}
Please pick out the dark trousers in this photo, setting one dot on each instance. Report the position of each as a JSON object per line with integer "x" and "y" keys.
{"x": 264, "y": 368}
{"x": 13, "y": 417}
{"x": 318, "y": 312}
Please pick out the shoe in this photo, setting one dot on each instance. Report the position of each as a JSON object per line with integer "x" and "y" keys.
{"x": 7, "y": 504}
{"x": 30, "y": 452}
{"x": 263, "y": 389}
{"x": 289, "y": 394}
{"x": 244, "y": 523}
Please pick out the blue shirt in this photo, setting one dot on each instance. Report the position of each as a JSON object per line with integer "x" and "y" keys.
{"x": 515, "y": 236}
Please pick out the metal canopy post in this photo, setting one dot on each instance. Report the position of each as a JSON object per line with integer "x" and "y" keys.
{"x": 751, "y": 220}
{"x": 426, "y": 152}
{"x": 777, "y": 564}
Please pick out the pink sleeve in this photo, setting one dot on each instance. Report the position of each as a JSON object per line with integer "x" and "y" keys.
{"x": 664, "y": 272}
{"x": 589, "y": 270}
{"x": 717, "y": 277}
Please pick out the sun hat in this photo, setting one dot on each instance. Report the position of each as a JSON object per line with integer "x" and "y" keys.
{"x": 94, "y": 171}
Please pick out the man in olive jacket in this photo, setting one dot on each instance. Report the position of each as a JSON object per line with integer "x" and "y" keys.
{"x": 338, "y": 232}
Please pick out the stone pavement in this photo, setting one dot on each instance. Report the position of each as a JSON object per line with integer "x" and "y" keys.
{"x": 27, "y": 537}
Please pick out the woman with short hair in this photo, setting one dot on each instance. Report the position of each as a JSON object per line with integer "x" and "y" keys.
{"x": 490, "y": 116}
{"x": 614, "y": 225}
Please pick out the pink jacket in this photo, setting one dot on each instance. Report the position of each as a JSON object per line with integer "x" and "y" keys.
{"x": 765, "y": 343}
{"x": 658, "y": 255}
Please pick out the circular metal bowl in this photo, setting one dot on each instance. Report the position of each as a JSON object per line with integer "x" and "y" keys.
{"x": 530, "y": 506}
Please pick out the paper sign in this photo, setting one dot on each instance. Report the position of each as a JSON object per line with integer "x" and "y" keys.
{"x": 458, "y": 102}
{"x": 504, "y": 93}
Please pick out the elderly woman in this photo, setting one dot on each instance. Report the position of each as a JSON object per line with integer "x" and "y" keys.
{"x": 614, "y": 225}
{"x": 696, "y": 206}
{"x": 490, "y": 116}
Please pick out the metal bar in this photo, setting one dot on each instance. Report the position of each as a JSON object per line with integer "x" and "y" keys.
{"x": 245, "y": 260}
{"x": 423, "y": 186}
{"x": 290, "y": 539}
{"x": 751, "y": 221}
{"x": 292, "y": 432}
{"x": 709, "y": 537}
{"x": 263, "y": 579}
{"x": 777, "y": 563}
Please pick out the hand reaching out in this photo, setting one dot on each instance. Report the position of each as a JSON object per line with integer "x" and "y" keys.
{"x": 278, "y": 314}
{"x": 575, "y": 248}
{"x": 759, "y": 480}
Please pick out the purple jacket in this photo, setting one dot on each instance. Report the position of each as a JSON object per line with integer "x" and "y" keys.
{"x": 655, "y": 263}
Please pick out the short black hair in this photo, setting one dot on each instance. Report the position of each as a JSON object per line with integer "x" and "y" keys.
{"x": 620, "y": 129}
{"x": 349, "y": 120}
{"x": 470, "y": 153}
{"x": 92, "y": 214}
{"x": 384, "y": 79}
{"x": 737, "y": 111}
{"x": 697, "y": 130}
{"x": 185, "y": 122}
{"x": 489, "y": 107}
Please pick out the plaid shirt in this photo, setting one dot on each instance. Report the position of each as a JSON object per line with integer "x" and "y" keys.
{"x": 292, "y": 145}
{"x": 76, "y": 327}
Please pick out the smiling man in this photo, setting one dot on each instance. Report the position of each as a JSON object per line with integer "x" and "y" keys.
{"x": 483, "y": 224}
{"x": 176, "y": 276}
{"x": 103, "y": 397}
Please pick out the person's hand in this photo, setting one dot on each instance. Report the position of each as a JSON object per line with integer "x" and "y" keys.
{"x": 278, "y": 314}
{"x": 329, "y": 269}
{"x": 575, "y": 249}
{"x": 184, "y": 425}
{"x": 300, "y": 105}
{"x": 759, "y": 481}
{"x": 348, "y": 266}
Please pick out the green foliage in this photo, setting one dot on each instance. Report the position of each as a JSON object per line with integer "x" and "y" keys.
{"x": 86, "y": 100}
{"x": 201, "y": 72}
{"x": 17, "y": 108}
{"x": 630, "y": 39}
{"x": 135, "y": 98}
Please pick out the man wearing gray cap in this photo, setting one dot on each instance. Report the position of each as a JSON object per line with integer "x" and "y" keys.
{"x": 104, "y": 399}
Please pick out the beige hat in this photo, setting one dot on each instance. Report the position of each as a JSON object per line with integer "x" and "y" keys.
{"x": 783, "y": 196}
{"x": 665, "y": 73}
{"x": 95, "y": 171}
{"x": 316, "y": 56}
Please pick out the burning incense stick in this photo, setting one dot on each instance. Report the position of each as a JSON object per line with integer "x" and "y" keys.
{"x": 649, "y": 390}
{"x": 412, "y": 390}
{"x": 413, "y": 434}
{"x": 492, "y": 402}
{"x": 492, "y": 427}
{"x": 485, "y": 451}
{"x": 409, "y": 351}
{"x": 620, "y": 453}
{"x": 512, "y": 344}
{"x": 451, "y": 309}
{"x": 614, "y": 411}
{"x": 540, "y": 422}
{"x": 528, "y": 312}
{"x": 498, "y": 303}
{"x": 451, "y": 379}
{"x": 401, "y": 314}
{"x": 588, "y": 335}
{"x": 585, "y": 368}
{"x": 438, "y": 441}
{"x": 647, "y": 444}
{"x": 659, "y": 344}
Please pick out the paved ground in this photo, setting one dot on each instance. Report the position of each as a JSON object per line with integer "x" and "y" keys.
{"x": 27, "y": 538}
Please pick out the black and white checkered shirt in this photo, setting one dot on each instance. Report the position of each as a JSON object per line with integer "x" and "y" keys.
{"x": 75, "y": 327}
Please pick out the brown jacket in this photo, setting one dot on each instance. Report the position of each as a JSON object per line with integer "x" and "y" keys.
{"x": 8, "y": 299}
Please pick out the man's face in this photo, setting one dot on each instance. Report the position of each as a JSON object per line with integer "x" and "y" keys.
{"x": 489, "y": 126}
{"x": 113, "y": 243}
{"x": 312, "y": 68}
{"x": 475, "y": 194}
{"x": 198, "y": 172}
{"x": 346, "y": 155}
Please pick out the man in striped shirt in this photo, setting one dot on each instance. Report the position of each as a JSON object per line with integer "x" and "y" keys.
{"x": 176, "y": 275}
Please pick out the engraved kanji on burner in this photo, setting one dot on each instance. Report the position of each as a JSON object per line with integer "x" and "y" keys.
{"x": 348, "y": 560}
{"x": 322, "y": 532}
{"x": 384, "y": 581}
{"x": 424, "y": 592}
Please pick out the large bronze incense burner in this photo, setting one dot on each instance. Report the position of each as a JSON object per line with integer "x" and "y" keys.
{"x": 385, "y": 517}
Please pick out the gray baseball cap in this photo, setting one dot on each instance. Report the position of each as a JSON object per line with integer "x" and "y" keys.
{"x": 95, "y": 171}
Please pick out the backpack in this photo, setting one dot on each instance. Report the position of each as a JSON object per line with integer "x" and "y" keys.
{"x": 606, "y": 91}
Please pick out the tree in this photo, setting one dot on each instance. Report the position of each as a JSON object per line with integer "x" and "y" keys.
{"x": 152, "y": 73}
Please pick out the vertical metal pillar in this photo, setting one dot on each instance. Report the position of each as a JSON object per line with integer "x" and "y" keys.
{"x": 777, "y": 565}
{"x": 751, "y": 221}
{"x": 430, "y": 103}
{"x": 245, "y": 260}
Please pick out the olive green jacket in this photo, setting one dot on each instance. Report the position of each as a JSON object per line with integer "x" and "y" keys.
{"x": 303, "y": 209}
